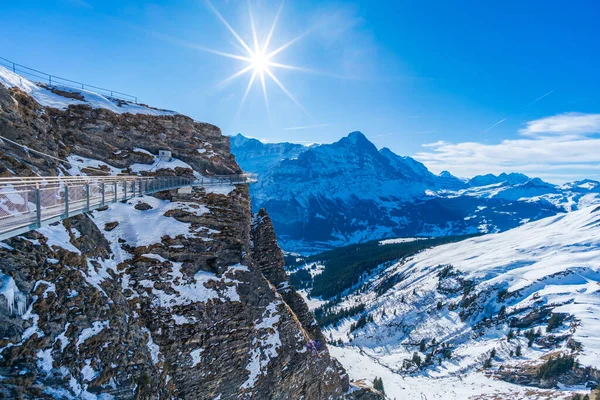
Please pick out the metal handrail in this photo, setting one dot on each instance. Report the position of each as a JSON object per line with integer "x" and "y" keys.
{"x": 28, "y": 203}
{"x": 22, "y": 69}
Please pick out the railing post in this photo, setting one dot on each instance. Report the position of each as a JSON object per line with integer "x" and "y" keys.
{"x": 116, "y": 190}
{"x": 140, "y": 186}
{"x": 87, "y": 197}
{"x": 66, "y": 201}
{"x": 38, "y": 207}
{"x": 50, "y": 79}
{"x": 125, "y": 188}
{"x": 102, "y": 183}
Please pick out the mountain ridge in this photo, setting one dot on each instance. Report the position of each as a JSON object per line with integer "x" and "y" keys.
{"x": 349, "y": 191}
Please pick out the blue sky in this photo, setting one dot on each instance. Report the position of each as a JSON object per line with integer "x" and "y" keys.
{"x": 480, "y": 87}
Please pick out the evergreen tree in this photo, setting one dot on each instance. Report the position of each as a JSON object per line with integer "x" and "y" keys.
{"x": 502, "y": 312}
{"x": 519, "y": 351}
{"x": 488, "y": 363}
{"x": 416, "y": 358}
{"x": 378, "y": 384}
{"x": 510, "y": 335}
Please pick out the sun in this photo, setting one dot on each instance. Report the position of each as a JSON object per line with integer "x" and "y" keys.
{"x": 260, "y": 60}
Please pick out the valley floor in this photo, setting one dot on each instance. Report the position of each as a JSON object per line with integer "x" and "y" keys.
{"x": 471, "y": 386}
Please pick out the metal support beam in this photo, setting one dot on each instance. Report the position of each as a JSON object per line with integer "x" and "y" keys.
{"x": 66, "y": 201}
{"x": 87, "y": 197}
{"x": 38, "y": 207}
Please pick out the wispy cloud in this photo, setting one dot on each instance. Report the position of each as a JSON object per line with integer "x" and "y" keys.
{"x": 541, "y": 97}
{"x": 299, "y": 128}
{"x": 558, "y": 148}
{"x": 496, "y": 124}
{"x": 564, "y": 124}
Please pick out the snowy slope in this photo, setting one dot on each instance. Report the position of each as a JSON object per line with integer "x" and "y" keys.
{"x": 469, "y": 296}
{"x": 48, "y": 98}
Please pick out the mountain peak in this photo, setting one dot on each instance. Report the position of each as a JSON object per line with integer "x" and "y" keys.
{"x": 355, "y": 141}
{"x": 357, "y": 136}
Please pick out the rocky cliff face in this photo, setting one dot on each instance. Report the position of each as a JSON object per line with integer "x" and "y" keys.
{"x": 167, "y": 296}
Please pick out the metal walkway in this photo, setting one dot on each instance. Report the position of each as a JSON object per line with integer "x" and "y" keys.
{"x": 28, "y": 203}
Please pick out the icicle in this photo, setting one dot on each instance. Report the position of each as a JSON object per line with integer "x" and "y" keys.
{"x": 21, "y": 302}
{"x": 10, "y": 291}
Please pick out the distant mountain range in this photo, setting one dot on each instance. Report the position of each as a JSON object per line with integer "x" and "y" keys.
{"x": 347, "y": 192}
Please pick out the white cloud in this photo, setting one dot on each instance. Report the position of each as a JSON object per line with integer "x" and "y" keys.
{"x": 564, "y": 124}
{"x": 559, "y": 148}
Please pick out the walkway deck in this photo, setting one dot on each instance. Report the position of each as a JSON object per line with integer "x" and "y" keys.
{"x": 28, "y": 203}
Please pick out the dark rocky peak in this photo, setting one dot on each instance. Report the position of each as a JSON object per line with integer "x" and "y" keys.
{"x": 538, "y": 183}
{"x": 483, "y": 180}
{"x": 355, "y": 140}
{"x": 446, "y": 180}
{"x": 513, "y": 178}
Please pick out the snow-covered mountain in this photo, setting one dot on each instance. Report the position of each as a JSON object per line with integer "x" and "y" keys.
{"x": 349, "y": 192}
{"x": 259, "y": 157}
{"x": 513, "y": 315}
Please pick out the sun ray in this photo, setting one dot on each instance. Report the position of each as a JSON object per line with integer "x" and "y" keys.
{"x": 264, "y": 88}
{"x": 256, "y": 47}
{"x": 248, "y": 88}
{"x": 270, "y": 35}
{"x": 240, "y": 72}
{"x": 288, "y": 44}
{"x": 289, "y": 94}
{"x": 221, "y": 53}
{"x": 230, "y": 28}
{"x": 303, "y": 69}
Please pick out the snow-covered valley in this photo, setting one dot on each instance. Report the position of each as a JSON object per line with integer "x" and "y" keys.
{"x": 481, "y": 316}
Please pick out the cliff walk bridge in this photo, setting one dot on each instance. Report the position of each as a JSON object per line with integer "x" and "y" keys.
{"x": 29, "y": 203}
